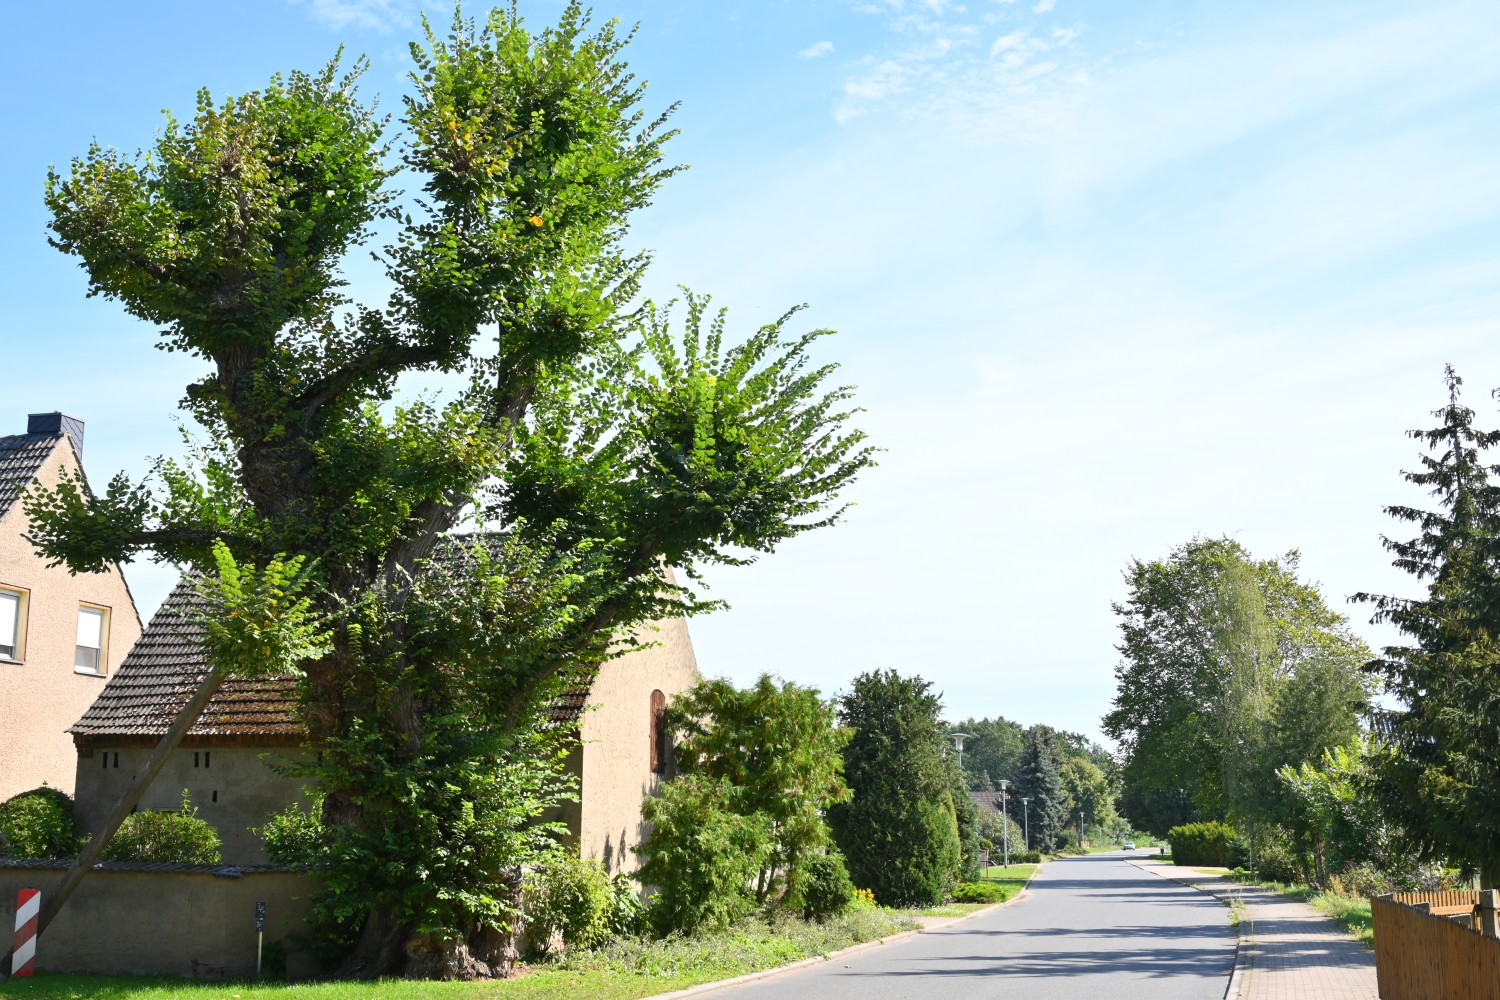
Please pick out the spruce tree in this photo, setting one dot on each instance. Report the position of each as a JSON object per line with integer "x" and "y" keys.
{"x": 899, "y": 833}
{"x": 1040, "y": 778}
{"x": 1439, "y": 775}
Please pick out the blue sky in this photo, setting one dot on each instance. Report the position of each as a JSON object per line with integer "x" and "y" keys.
{"x": 1108, "y": 276}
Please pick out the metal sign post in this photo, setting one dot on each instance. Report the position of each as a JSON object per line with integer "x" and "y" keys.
{"x": 23, "y": 946}
{"x": 260, "y": 933}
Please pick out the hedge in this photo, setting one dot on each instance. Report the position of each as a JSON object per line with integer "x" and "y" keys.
{"x": 1205, "y": 844}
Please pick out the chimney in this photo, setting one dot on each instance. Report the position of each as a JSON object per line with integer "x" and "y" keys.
{"x": 57, "y": 423}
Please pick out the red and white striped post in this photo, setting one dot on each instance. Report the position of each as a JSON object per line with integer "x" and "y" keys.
{"x": 23, "y": 950}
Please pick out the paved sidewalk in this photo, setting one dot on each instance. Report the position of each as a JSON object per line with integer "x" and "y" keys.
{"x": 1288, "y": 950}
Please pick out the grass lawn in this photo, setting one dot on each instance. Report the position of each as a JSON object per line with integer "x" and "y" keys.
{"x": 624, "y": 970}
{"x": 1352, "y": 913}
{"x": 537, "y": 985}
{"x": 954, "y": 909}
{"x": 1017, "y": 874}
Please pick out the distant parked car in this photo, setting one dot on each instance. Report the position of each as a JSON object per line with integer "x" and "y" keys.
{"x": 1129, "y": 845}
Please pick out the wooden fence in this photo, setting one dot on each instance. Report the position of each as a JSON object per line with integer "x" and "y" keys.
{"x": 1437, "y": 945}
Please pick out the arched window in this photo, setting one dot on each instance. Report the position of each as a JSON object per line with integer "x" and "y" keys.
{"x": 661, "y": 747}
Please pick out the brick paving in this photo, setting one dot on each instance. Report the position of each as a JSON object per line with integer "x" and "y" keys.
{"x": 1288, "y": 950}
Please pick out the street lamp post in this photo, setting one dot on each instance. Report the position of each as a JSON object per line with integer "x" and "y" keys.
{"x": 1004, "y": 822}
{"x": 1026, "y": 814}
{"x": 958, "y": 744}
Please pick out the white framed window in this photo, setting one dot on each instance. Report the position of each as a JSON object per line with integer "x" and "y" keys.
{"x": 12, "y": 625}
{"x": 93, "y": 633}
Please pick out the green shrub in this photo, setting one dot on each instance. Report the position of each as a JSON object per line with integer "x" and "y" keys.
{"x": 627, "y": 913}
{"x": 701, "y": 858}
{"x": 979, "y": 892}
{"x": 572, "y": 898}
{"x": 1239, "y": 853}
{"x": 1205, "y": 844}
{"x": 167, "y": 837}
{"x": 826, "y": 888}
{"x": 899, "y": 834}
{"x": 1276, "y": 862}
{"x": 1019, "y": 858}
{"x": 294, "y": 836}
{"x": 38, "y": 824}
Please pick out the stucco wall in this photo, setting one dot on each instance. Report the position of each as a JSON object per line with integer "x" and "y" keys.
{"x": 233, "y": 788}
{"x": 163, "y": 922}
{"x": 617, "y": 742}
{"x": 42, "y": 696}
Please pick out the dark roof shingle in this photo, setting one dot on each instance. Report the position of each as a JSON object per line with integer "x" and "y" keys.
{"x": 164, "y": 668}
{"x": 21, "y": 458}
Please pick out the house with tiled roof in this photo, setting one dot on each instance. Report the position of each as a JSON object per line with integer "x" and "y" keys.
{"x": 228, "y": 761}
{"x": 61, "y": 636}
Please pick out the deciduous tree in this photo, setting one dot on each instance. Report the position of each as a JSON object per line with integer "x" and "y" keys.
{"x": 1212, "y": 642}
{"x": 775, "y": 750}
{"x": 601, "y": 440}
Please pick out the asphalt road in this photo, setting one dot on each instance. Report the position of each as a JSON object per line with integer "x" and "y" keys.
{"x": 1095, "y": 928}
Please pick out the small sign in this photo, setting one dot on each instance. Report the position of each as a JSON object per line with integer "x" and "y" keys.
{"x": 260, "y": 916}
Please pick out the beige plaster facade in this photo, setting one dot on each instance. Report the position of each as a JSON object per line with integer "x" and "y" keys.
{"x": 617, "y": 732}
{"x": 41, "y": 693}
{"x": 233, "y": 788}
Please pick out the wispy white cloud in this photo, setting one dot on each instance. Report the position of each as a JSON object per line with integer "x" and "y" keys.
{"x": 946, "y": 54}
{"x": 372, "y": 15}
{"x": 817, "y": 50}
{"x": 1043, "y": 6}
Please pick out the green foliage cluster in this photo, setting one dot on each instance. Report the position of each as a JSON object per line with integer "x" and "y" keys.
{"x": 627, "y": 911}
{"x": 38, "y": 824}
{"x": 746, "y": 947}
{"x": 1231, "y": 668}
{"x": 1277, "y": 862}
{"x": 899, "y": 833}
{"x": 758, "y": 767}
{"x": 166, "y": 837}
{"x": 827, "y": 889}
{"x": 1025, "y": 857}
{"x": 1039, "y": 776}
{"x": 1091, "y": 796}
{"x": 993, "y": 747}
{"x": 992, "y": 833}
{"x": 570, "y": 898}
{"x": 702, "y": 858}
{"x": 967, "y": 816}
{"x": 603, "y": 439}
{"x": 980, "y": 892}
{"x": 777, "y": 746}
{"x": 1331, "y": 814}
{"x": 295, "y": 836}
{"x": 1205, "y": 844}
{"x": 1437, "y": 774}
